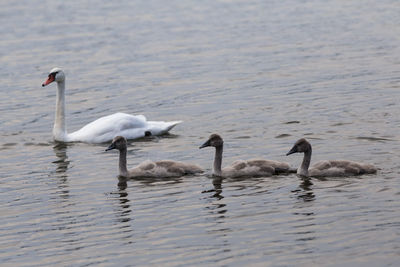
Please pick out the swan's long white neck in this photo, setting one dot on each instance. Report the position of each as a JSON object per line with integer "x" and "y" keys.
{"x": 59, "y": 129}
{"x": 218, "y": 161}
{"x": 303, "y": 170}
{"x": 123, "y": 171}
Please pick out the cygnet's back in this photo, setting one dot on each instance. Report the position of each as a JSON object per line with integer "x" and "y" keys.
{"x": 340, "y": 168}
{"x": 249, "y": 168}
{"x": 164, "y": 168}
{"x": 150, "y": 169}
{"x": 328, "y": 168}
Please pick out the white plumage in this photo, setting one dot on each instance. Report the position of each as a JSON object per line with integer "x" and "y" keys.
{"x": 105, "y": 128}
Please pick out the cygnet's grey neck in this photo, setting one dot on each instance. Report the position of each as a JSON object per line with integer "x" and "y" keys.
{"x": 59, "y": 129}
{"x": 218, "y": 160}
{"x": 303, "y": 170}
{"x": 123, "y": 171}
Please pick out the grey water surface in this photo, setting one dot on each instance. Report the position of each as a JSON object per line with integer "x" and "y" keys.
{"x": 260, "y": 73}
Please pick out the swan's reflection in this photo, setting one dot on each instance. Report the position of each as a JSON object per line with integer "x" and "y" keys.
{"x": 60, "y": 149}
{"x": 62, "y": 163}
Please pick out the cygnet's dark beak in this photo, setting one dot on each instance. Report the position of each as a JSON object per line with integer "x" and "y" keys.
{"x": 206, "y": 144}
{"x": 110, "y": 147}
{"x": 293, "y": 150}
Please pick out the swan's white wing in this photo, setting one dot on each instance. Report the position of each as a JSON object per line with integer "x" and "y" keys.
{"x": 106, "y": 128}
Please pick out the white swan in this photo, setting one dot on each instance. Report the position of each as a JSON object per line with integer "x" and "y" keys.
{"x": 105, "y": 128}
{"x": 150, "y": 169}
{"x": 243, "y": 168}
{"x": 327, "y": 168}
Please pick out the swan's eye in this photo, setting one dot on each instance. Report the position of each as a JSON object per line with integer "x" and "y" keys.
{"x": 53, "y": 74}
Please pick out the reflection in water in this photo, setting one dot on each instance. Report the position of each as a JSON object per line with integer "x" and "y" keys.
{"x": 216, "y": 212}
{"x": 218, "y": 189}
{"x": 303, "y": 229}
{"x": 218, "y": 207}
{"x": 124, "y": 208}
{"x": 217, "y": 183}
{"x": 122, "y": 183}
{"x": 305, "y": 192}
{"x": 60, "y": 149}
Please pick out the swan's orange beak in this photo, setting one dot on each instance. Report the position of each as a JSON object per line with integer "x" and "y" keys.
{"x": 49, "y": 80}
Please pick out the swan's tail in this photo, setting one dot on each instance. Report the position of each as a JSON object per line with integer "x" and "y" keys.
{"x": 161, "y": 127}
{"x": 172, "y": 124}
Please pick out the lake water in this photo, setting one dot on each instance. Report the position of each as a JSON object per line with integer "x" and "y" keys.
{"x": 260, "y": 73}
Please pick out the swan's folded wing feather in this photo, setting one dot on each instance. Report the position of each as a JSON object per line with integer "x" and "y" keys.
{"x": 106, "y": 128}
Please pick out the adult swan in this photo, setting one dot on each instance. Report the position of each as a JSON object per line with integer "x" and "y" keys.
{"x": 105, "y": 128}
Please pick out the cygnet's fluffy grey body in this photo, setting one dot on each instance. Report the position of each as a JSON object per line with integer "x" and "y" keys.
{"x": 243, "y": 168}
{"x": 328, "y": 168}
{"x": 151, "y": 169}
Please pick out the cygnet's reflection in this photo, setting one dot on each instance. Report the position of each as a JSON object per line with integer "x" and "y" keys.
{"x": 304, "y": 191}
{"x": 215, "y": 205}
{"x": 122, "y": 183}
{"x": 217, "y": 190}
{"x": 124, "y": 208}
{"x": 216, "y": 211}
